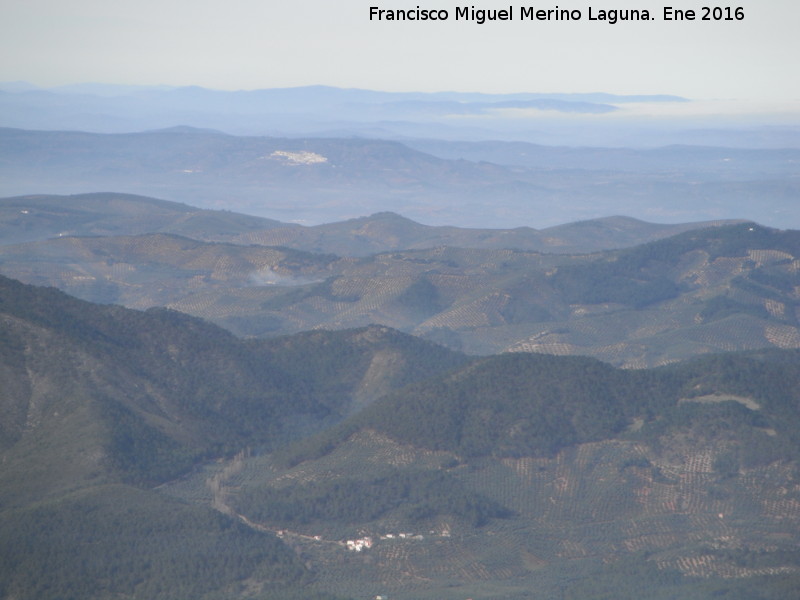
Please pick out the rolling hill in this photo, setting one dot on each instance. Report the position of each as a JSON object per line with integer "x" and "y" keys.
{"x": 41, "y": 217}
{"x": 724, "y": 288}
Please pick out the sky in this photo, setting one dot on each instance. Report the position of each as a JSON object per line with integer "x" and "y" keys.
{"x": 254, "y": 44}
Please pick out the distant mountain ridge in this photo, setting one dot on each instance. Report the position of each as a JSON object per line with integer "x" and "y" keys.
{"x": 39, "y": 217}
{"x": 318, "y": 110}
{"x": 730, "y": 287}
{"x": 141, "y": 107}
{"x": 481, "y": 185}
{"x": 387, "y": 231}
{"x": 701, "y": 162}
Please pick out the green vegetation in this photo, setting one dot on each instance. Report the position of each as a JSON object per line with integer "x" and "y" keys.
{"x": 548, "y": 464}
{"x": 515, "y": 405}
{"x": 97, "y": 396}
{"x": 143, "y": 454}
{"x": 119, "y": 541}
{"x": 641, "y": 276}
{"x": 727, "y": 421}
{"x": 410, "y": 494}
{"x": 619, "y": 282}
{"x": 636, "y": 577}
{"x": 333, "y": 363}
{"x": 171, "y": 389}
{"x": 421, "y": 298}
{"x": 721, "y": 307}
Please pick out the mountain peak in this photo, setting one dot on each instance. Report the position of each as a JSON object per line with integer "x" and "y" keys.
{"x": 388, "y": 215}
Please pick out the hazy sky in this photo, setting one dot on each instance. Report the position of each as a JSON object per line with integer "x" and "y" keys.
{"x": 248, "y": 44}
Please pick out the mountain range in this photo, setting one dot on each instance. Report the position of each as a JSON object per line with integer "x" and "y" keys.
{"x": 482, "y": 184}
{"x": 42, "y": 217}
{"x": 340, "y": 344}
{"x": 151, "y": 454}
{"x": 678, "y": 291}
{"x": 115, "y": 109}
{"x": 101, "y": 403}
{"x": 553, "y": 119}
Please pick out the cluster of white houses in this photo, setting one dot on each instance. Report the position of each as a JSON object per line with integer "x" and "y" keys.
{"x": 367, "y": 542}
{"x": 359, "y": 544}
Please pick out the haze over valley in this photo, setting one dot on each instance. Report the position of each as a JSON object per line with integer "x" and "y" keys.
{"x": 440, "y": 159}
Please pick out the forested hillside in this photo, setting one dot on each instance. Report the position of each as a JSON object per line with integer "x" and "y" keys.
{"x": 151, "y": 454}
{"x": 518, "y": 405}
{"x": 101, "y": 403}
{"x": 543, "y": 474}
